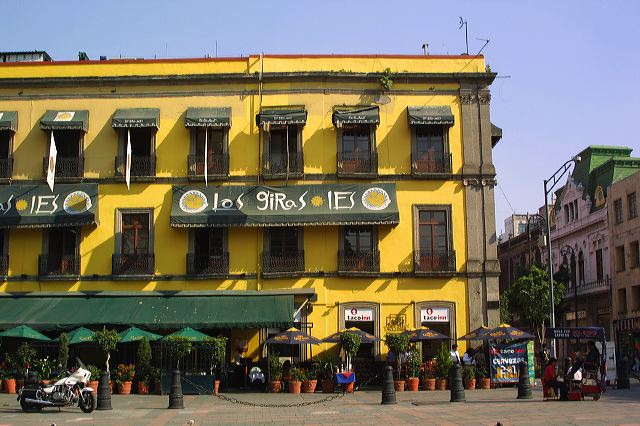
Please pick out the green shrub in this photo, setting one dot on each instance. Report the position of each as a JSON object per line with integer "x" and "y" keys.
{"x": 63, "y": 354}
{"x": 398, "y": 344}
{"x": 443, "y": 362}
{"x": 95, "y": 372}
{"x": 469, "y": 372}
{"x": 125, "y": 373}
{"x": 295, "y": 374}
{"x": 413, "y": 363}
{"x": 217, "y": 347}
{"x": 107, "y": 340}
{"x": 275, "y": 368}
{"x": 179, "y": 347}
{"x": 144, "y": 360}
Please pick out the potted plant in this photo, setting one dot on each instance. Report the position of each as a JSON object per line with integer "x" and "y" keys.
{"x": 481, "y": 374}
{"x": 95, "y": 375}
{"x": 327, "y": 371}
{"x": 9, "y": 377}
{"x": 443, "y": 366}
{"x": 275, "y": 373}
{"x": 155, "y": 374}
{"x": 311, "y": 380}
{"x": 428, "y": 377}
{"x": 44, "y": 367}
{"x": 413, "y": 370}
{"x": 296, "y": 377}
{"x": 469, "y": 377}
{"x": 107, "y": 340}
{"x": 217, "y": 353}
{"x": 350, "y": 343}
{"x": 143, "y": 366}
{"x": 24, "y": 357}
{"x": 124, "y": 376}
{"x": 398, "y": 344}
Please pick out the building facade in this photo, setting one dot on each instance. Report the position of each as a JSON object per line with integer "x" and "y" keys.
{"x": 242, "y": 196}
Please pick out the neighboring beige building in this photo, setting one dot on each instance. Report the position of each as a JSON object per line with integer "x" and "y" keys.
{"x": 624, "y": 232}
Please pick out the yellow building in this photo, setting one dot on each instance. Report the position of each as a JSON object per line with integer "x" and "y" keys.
{"x": 325, "y": 191}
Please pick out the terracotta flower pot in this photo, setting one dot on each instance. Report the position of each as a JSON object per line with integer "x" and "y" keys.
{"x": 441, "y": 384}
{"x": 328, "y": 386}
{"x": 485, "y": 383}
{"x": 94, "y": 385}
{"x": 295, "y": 386}
{"x": 124, "y": 388}
{"x": 112, "y": 387}
{"x": 349, "y": 387}
{"x": 10, "y": 385}
{"x": 309, "y": 386}
{"x": 275, "y": 386}
{"x": 429, "y": 384}
{"x": 216, "y": 387}
{"x": 0, "y": 385}
{"x": 143, "y": 388}
{"x": 45, "y": 382}
{"x": 157, "y": 388}
{"x": 398, "y": 385}
{"x": 413, "y": 384}
{"x": 470, "y": 384}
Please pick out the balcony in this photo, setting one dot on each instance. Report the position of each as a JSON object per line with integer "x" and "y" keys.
{"x": 133, "y": 265}
{"x": 206, "y": 266}
{"x": 6, "y": 167}
{"x": 4, "y": 265}
{"x": 217, "y": 166}
{"x": 282, "y": 265}
{"x": 66, "y": 167}
{"x": 275, "y": 165}
{"x": 424, "y": 166}
{"x": 586, "y": 288}
{"x": 363, "y": 262}
{"x": 56, "y": 266}
{"x": 358, "y": 164}
{"x": 427, "y": 262}
{"x": 142, "y": 168}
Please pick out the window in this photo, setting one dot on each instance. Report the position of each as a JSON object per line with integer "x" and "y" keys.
{"x": 356, "y": 150}
{"x": 69, "y": 159}
{"x": 599, "y": 265}
{"x": 358, "y": 250}
{"x": 635, "y": 298}
{"x": 283, "y": 250}
{"x": 522, "y": 228}
{"x": 622, "y": 300}
{"x": 134, "y": 243}
{"x": 635, "y": 254}
{"x": 433, "y": 240}
{"x": 283, "y": 150}
{"x": 620, "y": 266}
{"x": 215, "y": 141}
{"x": 633, "y": 206}
{"x": 4, "y": 249}
{"x": 207, "y": 254}
{"x": 581, "y": 277}
{"x": 6, "y": 153}
{"x": 571, "y": 212}
{"x": 617, "y": 209}
{"x": 60, "y": 254}
{"x": 566, "y": 213}
{"x": 143, "y": 152}
{"x": 430, "y": 149}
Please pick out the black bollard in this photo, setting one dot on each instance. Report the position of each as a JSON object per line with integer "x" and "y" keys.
{"x": 623, "y": 375}
{"x": 176, "y": 399}
{"x": 524, "y": 382}
{"x": 104, "y": 393}
{"x": 455, "y": 379}
{"x": 388, "y": 391}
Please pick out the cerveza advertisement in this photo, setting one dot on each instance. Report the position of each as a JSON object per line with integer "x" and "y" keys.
{"x": 280, "y": 206}
{"x": 505, "y": 361}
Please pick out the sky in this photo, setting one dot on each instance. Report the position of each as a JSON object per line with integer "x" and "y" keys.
{"x": 568, "y": 71}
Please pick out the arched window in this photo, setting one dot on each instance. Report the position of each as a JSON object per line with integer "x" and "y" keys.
{"x": 581, "y": 267}
{"x": 574, "y": 281}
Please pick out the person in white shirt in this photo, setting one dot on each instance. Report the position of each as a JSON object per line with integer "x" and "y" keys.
{"x": 455, "y": 356}
{"x": 467, "y": 358}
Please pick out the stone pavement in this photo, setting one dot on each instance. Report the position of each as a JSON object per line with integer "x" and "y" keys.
{"x": 482, "y": 407}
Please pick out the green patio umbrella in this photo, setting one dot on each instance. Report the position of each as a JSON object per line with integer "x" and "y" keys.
{"x": 79, "y": 335}
{"x": 189, "y": 333}
{"x": 134, "y": 334}
{"x": 24, "y": 332}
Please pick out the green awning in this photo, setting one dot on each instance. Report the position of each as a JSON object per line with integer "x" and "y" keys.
{"x": 430, "y": 115}
{"x": 208, "y": 117}
{"x": 136, "y": 117}
{"x": 150, "y": 312}
{"x": 9, "y": 120}
{"x": 282, "y": 116}
{"x": 356, "y": 115}
{"x": 134, "y": 334}
{"x": 23, "y": 332}
{"x": 328, "y": 204}
{"x": 65, "y": 120}
{"x": 188, "y": 333}
{"x": 35, "y": 206}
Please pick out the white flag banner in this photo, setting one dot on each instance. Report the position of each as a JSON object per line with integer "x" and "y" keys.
{"x": 51, "y": 167}
{"x": 206, "y": 157}
{"x": 127, "y": 172}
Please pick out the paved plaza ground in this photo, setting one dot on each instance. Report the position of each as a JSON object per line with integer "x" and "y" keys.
{"x": 482, "y": 407}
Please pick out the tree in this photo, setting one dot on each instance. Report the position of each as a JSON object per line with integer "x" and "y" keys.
{"x": 180, "y": 347}
{"x": 398, "y": 344}
{"x": 144, "y": 360}
{"x": 63, "y": 354}
{"x": 217, "y": 352}
{"x": 107, "y": 340}
{"x": 350, "y": 343}
{"x": 531, "y": 297}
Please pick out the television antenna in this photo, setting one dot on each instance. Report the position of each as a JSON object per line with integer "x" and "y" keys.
{"x": 463, "y": 23}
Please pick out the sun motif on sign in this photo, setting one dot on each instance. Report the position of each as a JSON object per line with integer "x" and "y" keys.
{"x": 317, "y": 201}
{"x": 21, "y": 205}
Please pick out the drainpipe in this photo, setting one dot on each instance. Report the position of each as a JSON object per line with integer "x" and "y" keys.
{"x": 484, "y": 225}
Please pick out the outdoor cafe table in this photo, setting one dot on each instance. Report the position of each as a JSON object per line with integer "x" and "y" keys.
{"x": 345, "y": 378}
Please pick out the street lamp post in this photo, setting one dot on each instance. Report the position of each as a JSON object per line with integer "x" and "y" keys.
{"x": 538, "y": 220}
{"x": 564, "y": 252}
{"x": 548, "y": 187}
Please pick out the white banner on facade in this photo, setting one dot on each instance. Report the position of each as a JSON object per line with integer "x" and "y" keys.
{"x": 434, "y": 315}
{"x": 127, "y": 172}
{"x": 358, "y": 314}
{"x": 51, "y": 167}
{"x": 206, "y": 162}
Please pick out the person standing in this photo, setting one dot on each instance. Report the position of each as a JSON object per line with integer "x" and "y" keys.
{"x": 455, "y": 356}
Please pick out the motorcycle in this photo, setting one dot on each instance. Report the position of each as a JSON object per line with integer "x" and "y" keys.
{"x": 68, "y": 391}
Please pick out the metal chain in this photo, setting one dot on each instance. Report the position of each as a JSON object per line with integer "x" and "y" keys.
{"x": 262, "y": 405}
{"x": 366, "y": 382}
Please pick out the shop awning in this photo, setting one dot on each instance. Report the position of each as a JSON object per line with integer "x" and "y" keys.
{"x": 208, "y": 117}
{"x": 136, "y": 117}
{"x": 9, "y": 120}
{"x": 35, "y": 206}
{"x": 65, "y": 120}
{"x": 328, "y": 204}
{"x": 149, "y": 312}
{"x": 430, "y": 115}
{"x": 356, "y": 115}
{"x": 282, "y": 116}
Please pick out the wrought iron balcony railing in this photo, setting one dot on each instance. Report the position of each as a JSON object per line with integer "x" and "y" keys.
{"x": 282, "y": 264}
{"x": 217, "y": 166}
{"x": 66, "y": 167}
{"x": 276, "y": 164}
{"x": 428, "y": 261}
{"x": 426, "y": 165}
{"x": 4, "y": 265}
{"x": 590, "y": 287}
{"x": 140, "y": 166}
{"x": 367, "y": 261}
{"x": 133, "y": 264}
{"x": 207, "y": 265}
{"x": 52, "y": 265}
{"x": 355, "y": 164}
{"x": 6, "y": 167}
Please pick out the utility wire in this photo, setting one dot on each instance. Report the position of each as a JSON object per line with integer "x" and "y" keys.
{"x": 505, "y": 197}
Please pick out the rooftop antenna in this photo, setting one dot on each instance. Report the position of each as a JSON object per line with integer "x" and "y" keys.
{"x": 463, "y": 23}
{"x": 425, "y": 48}
{"x": 216, "y": 48}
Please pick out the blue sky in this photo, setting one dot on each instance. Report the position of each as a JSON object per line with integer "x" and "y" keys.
{"x": 573, "y": 66}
